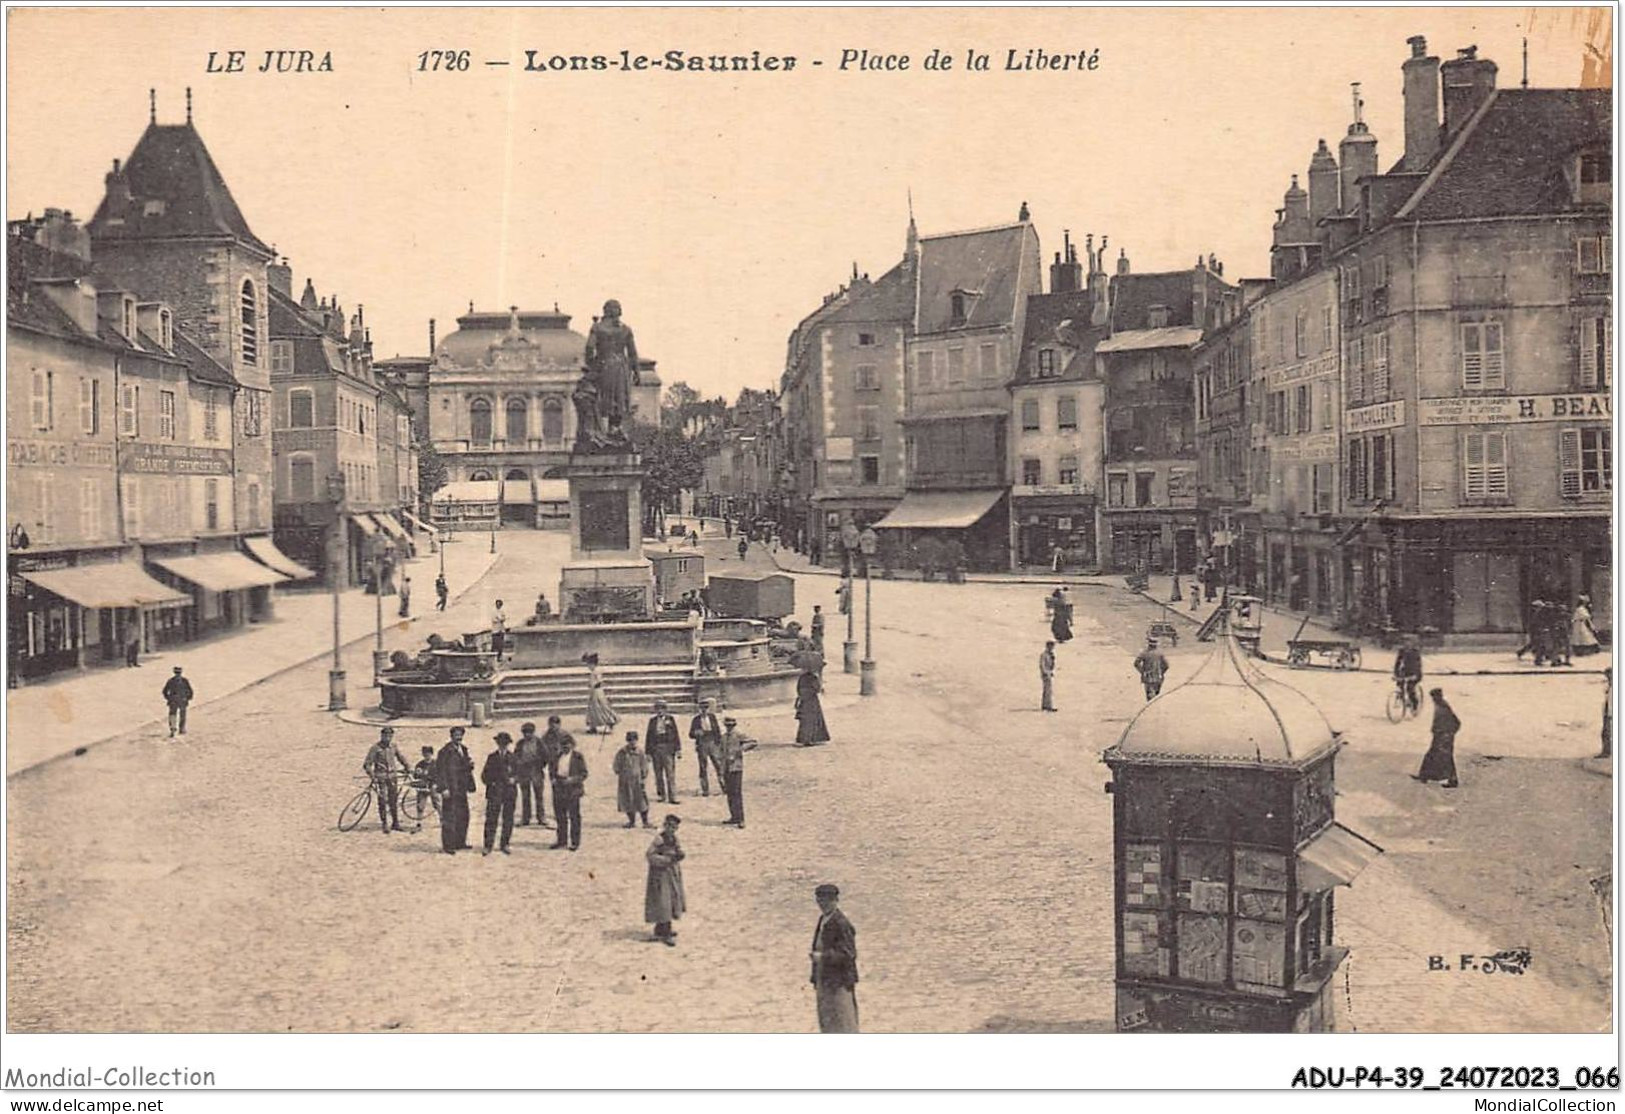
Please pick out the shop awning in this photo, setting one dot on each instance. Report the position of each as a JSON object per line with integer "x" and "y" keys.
{"x": 1334, "y": 858}
{"x": 1138, "y": 340}
{"x": 468, "y": 491}
{"x": 365, "y": 524}
{"x": 552, "y": 491}
{"x": 107, "y": 585}
{"x": 388, "y": 524}
{"x": 220, "y": 572}
{"x": 268, "y": 554}
{"x": 417, "y": 523}
{"x": 940, "y": 510}
{"x": 516, "y": 492}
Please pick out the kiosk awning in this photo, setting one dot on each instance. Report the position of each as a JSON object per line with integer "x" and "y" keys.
{"x": 468, "y": 491}
{"x": 220, "y": 572}
{"x": 552, "y": 491}
{"x": 417, "y": 523}
{"x": 1334, "y": 858}
{"x": 268, "y": 554}
{"x": 390, "y": 526}
{"x": 940, "y": 510}
{"x": 365, "y": 524}
{"x": 106, "y": 585}
{"x": 516, "y": 492}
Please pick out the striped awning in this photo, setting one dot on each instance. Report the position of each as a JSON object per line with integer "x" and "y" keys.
{"x": 266, "y": 552}
{"x": 114, "y": 584}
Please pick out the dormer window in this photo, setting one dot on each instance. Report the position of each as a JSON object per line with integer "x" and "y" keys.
{"x": 129, "y": 319}
{"x": 1046, "y": 363}
{"x": 956, "y": 311}
{"x": 166, "y": 330}
{"x": 1156, "y": 317}
{"x": 154, "y": 207}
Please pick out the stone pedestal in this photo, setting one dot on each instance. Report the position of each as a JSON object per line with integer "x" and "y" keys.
{"x": 608, "y": 578}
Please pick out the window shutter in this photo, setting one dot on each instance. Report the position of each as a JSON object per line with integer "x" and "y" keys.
{"x": 1605, "y": 353}
{"x": 1472, "y": 477}
{"x": 1379, "y": 368}
{"x": 1472, "y": 357}
{"x": 39, "y": 402}
{"x": 1568, "y": 462}
{"x": 1494, "y": 358}
{"x": 1495, "y": 464}
{"x": 1588, "y": 351}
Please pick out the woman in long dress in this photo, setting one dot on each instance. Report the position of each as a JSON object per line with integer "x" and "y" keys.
{"x": 811, "y": 728}
{"x": 1582, "y": 635}
{"x": 1439, "y": 763}
{"x": 600, "y": 716}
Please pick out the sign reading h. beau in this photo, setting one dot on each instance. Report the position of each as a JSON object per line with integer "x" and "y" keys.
{"x": 1513, "y": 409}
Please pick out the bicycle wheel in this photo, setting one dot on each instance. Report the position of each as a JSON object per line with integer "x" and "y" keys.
{"x": 1398, "y": 707}
{"x": 356, "y": 811}
{"x": 412, "y": 807}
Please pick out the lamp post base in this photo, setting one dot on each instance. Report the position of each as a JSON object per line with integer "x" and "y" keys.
{"x": 380, "y": 662}
{"x": 849, "y": 657}
{"x": 337, "y": 701}
{"x": 866, "y": 679}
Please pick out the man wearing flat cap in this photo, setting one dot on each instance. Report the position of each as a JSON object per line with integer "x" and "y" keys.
{"x": 663, "y": 898}
{"x": 499, "y": 775}
{"x": 731, "y": 753}
{"x": 835, "y": 964}
{"x": 663, "y": 743}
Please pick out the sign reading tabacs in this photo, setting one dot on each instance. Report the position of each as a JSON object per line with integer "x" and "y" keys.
{"x": 1514, "y": 409}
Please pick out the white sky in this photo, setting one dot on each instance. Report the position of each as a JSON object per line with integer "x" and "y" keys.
{"x": 720, "y": 208}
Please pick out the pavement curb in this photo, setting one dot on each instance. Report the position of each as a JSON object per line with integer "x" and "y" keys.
{"x": 81, "y": 751}
{"x": 1602, "y": 767}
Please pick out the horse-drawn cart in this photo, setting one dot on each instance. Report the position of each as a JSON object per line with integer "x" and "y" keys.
{"x": 1335, "y": 653}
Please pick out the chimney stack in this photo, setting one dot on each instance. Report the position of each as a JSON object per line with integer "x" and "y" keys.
{"x": 1122, "y": 261}
{"x": 280, "y": 276}
{"x": 1066, "y": 273}
{"x": 431, "y": 338}
{"x": 1323, "y": 194}
{"x": 1421, "y": 105}
{"x": 1468, "y": 81}
{"x": 1358, "y": 154}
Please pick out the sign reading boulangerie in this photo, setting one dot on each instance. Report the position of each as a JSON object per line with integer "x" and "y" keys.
{"x": 1510, "y": 409}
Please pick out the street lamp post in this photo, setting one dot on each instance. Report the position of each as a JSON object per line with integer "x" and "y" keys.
{"x": 336, "y": 698}
{"x": 869, "y": 542}
{"x": 849, "y": 650}
{"x": 378, "y": 657}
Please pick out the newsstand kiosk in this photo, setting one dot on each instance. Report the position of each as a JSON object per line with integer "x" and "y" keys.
{"x": 1227, "y": 852}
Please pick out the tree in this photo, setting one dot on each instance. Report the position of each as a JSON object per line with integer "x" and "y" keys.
{"x": 431, "y": 471}
{"x": 678, "y": 404}
{"x": 671, "y": 464}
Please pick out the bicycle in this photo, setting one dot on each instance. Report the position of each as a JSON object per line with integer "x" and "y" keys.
{"x": 418, "y": 799}
{"x": 407, "y": 804}
{"x": 1404, "y": 703}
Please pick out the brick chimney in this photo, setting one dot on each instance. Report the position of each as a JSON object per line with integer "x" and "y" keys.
{"x": 1421, "y": 105}
{"x": 1323, "y": 195}
{"x": 1066, "y": 273}
{"x": 1468, "y": 82}
{"x": 1358, "y": 154}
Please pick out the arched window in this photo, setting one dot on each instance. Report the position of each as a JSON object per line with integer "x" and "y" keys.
{"x": 480, "y": 474}
{"x": 518, "y": 433}
{"x": 518, "y": 474}
{"x": 552, "y": 420}
{"x": 251, "y": 326}
{"x": 479, "y": 421}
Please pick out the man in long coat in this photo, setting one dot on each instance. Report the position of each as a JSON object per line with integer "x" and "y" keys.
{"x": 569, "y": 780}
{"x": 834, "y": 964}
{"x": 454, "y": 780}
{"x": 663, "y": 900}
{"x": 1152, "y": 668}
{"x": 632, "y": 781}
{"x": 531, "y": 761}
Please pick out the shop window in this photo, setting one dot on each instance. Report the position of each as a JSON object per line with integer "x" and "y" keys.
{"x": 1585, "y": 462}
{"x": 1068, "y": 470}
{"x": 1484, "y": 466}
{"x": 1483, "y": 364}
{"x": 1032, "y": 472}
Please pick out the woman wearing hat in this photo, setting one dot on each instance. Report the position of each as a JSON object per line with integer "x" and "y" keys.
{"x": 810, "y": 726}
{"x": 1439, "y": 763}
{"x": 599, "y": 713}
{"x": 1582, "y": 635}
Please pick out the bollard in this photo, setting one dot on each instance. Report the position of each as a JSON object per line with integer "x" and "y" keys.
{"x": 478, "y": 713}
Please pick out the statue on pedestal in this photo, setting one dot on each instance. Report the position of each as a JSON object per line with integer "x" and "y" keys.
{"x": 603, "y": 400}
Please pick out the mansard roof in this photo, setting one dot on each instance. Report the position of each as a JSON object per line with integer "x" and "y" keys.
{"x": 171, "y": 167}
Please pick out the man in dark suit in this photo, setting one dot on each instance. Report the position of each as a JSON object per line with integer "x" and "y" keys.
{"x": 569, "y": 777}
{"x": 835, "y": 964}
{"x": 454, "y": 779}
{"x": 707, "y": 736}
{"x": 499, "y": 775}
{"x": 664, "y": 744}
